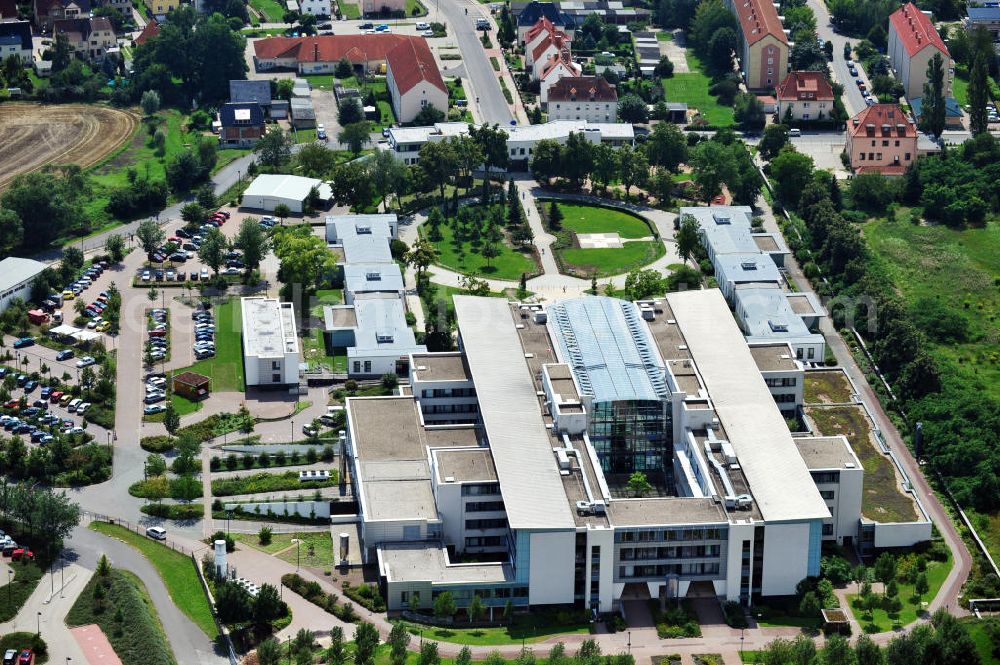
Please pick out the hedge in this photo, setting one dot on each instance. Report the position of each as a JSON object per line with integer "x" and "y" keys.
{"x": 366, "y": 596}
{"x": 268, "y": 482}
{"x": 157, "y": 444}
{"x": 313, "y": 592}
{"x": 174, "y": 511}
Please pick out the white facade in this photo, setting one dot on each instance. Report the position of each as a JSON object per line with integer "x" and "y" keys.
{"x": 17, "y": 277}
{"x": 597, "y": 111}
{"x": 318, "y": 8}
{"x": 270, "y": 190}
{"x": 410, "y": 103}
{"x": 551, "y": 74}
{"x": 270, "y": 344}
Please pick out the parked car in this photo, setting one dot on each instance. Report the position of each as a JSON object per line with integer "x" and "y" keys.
{"x": 22, "y": 553}
{"x": 65, "y": 354}
{"x": 423, "y": 25}
{"x": 154, "y": 398}
{"x": 71, "y": 407}
{"x": 86, "y": 361}
{"x": 82, "y": 408}
{"x": 27, "y": 657}
{"x": 157, "y": 533}
{"x": 153, "y": 409}
{"x": 23, "y": 342}
{"x": 10, "y": 657}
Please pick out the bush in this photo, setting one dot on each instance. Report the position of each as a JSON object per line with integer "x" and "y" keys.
{"x": 174, "y": 511}
{"x": 735, "y": 616}
{"x": 156, "y": 444}
{"x": 365, "y": 596}
{"x": 313, "y": 592}
{"x": 268, "y": 482}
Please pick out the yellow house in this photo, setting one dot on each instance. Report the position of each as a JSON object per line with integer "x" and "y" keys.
{"x": 764, "y": 44}
{"x": 160, "y": 8}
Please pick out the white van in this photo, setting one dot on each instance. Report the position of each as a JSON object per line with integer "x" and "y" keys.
{"x": 75, "y": 403}
{"x": 157, "y": 533}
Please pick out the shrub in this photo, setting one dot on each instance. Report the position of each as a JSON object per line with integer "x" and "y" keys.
{"x": 365, "y": 596}
{"x": 735, "y": 616}
{"x": 157, "y": 444}
{"x": 174, "y": 511}
{"x": 313, "y": 592}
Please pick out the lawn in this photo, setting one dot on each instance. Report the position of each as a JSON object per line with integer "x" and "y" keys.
{"x": 783, "y": 612}
{"x": 322, "y": 298}
{"x": 183, "y": 406}
{"x": 960, "y": 90}
{"x": 605, "y": 262}
{"x": 827, "y": 388}
{"x": 226, "y": 367}
{"x": 273, "y": 11}
{"x": 595, "y": 219}
{"x": 282, "y": 546}
{"x": 14, "y": 595}
{"x": 463, "y": 257}
{"x": 351, "y": 10}
{"x": 937, "y": 571}
{"x": 692, "y": 87}
{"x": 959, "y": 270}
{"x": 528, "y": 628}
{"x": 882, "y": 501}
{"x": 977, "y": 630}
{"x": 415, "y": 8}
{"x": 138, "y": 636}
{"x": 662, "y": 36}
{"x": 177, "y": 572}
{"x": 305, "y": 135}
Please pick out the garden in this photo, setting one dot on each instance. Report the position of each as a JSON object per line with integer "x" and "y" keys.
{"x": 476, "y": 241}
{"x": 269, "y": 482}
{"x": 906, "y": 584}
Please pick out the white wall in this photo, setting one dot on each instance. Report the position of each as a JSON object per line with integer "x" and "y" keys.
{"x": 409, "y": 105}
{"x": 738, "y": 532}
{"x": 786, "y": 557}
{"x": 380, "y": 364}
{"x": 902, "y": 534}
{"x": 605, "y": 539}
{"x": 269, "y": 202}
{"x": 584, "y": 110}
{"x": 22, "y": 291}
{"x": 551, "y": 571}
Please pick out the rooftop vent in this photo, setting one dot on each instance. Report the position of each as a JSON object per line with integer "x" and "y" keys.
{"x": 749, "y": 264}
{"x": 373, "y": 276}
{"x": 778, "y": 325}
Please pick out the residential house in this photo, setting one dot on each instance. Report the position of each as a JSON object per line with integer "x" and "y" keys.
{"x": 541, "y": 33}
{"x": 804, "y": 96}
{"x": 558, "y": 67}
{"x": 534, "y": 11}
{"x": 258, "y": 92}
{"x": 319, "y": 54}
{"x": 763, "y": 50}
{"x": 383, "y": 7}
{"x": 913, "y": 42}
{"x": 47, "y": 11}
{"x": 549, "y": 46}
{"x": 881, "y": 139}
{"x": 160, "y": 8}
{"x": 150, "y": 30}
{"x": 987, "y": 17}
{"x": 242, "y": 124}
{"x": 318, "y": 8}
{"x": 15, "y": 39}
{"x": 953, "y": 116}
{"x": 589, "y": 98}
{"x": 90, "y": 37}
{"x": 413, "y": 80}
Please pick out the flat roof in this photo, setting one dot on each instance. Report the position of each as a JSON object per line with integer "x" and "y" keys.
{"x": 339, "y": 316}
{"x": 366, "y": 249}
{"x": 827, "y": 452}
{"x": 774, "y": 357}
{"x": 765, "y": 315}
{"x": 740, "y": 267}
{"x": 439, "y": 367}
{"x": 467, "y": 465}
{"x": 529, "y": 477}
{"x": 268, "y": 327}
{"x": 375, "y": 225}
{"x": 382, "y": 327}
{"x": 422, "y": 134}
{"x": 15, "y": 270}
{"x": 429, "y": 562}
{"x": 561, "y": 129}
{"x": 665, "y": 510}
{"x": 607, "y": 344}
{"x": 781, "y": 485}
{"x": 805, "y": 303}
{"x": 726, "y": 228}
{"x": 561, "y": 379}
{"x": 285, "y": 186}
{"x": 361, "y": 277}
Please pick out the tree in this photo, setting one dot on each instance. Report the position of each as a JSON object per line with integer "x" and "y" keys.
{"x": 233, "y": 603}
{"x": 267, "y": 607}
{"x": 749, "y": 112}
{"x": 632, "y": 109}
{"x": 667, "y": 146}
{"x": 664, "y": 69}
{"x": 791, "y": 171}
{"x": 388, "y": 175}
{"x": 344, "y": 69}
{"x": 399, "y": 640}
{"x": 193, "y": 213}
{"x": 269, "y": 652}
{"x": 721, "y": 47}
{"x": 555, "y": 216}
{"x": 282, "y": 211}
{"x": 638, "y": 484}
{"x": 978, "y": 96}
{"x": 885, "y": 568}
{"x": 355, "y": 136}
{"x": 606, "y": 165}
{"x": 775, "y": 138}
{"x": 492, "y": 141}
{"x": 274, "y": 148}
{"x": 809, "y": 606}
{"x": 336, "y": 653}
{"x": 150, "y": 236}
{"x": 264, "y": 535}
{"x": 429, "y": 654}
{"x": 349, "y": 111}
{"x": 114, "y": 245}
{"x": 253, "y": 242}
{"x": 932, "y": 110}
{"x": 103, "y": 566}
{"x": 62, "y": 53}
{"x": 643, "y": 284}
{"x": 866, "y": 652}
{"x": 422, "y": 255}
{"x": 633, "y": 168}
{"x": 469, "y": 156}
{"x": 213, "y": 250}
{"x": 171, "y": 419}
{"x": 687, "y": 237}
{"x": 464, "y": 656}
{"x": 150, "y": 102}
{"x": 713, "y": 165}
{"x": 476, "y": 609}
{"x": 11, "y": 232}
{"x": 837, "y": 651}
{"x": 366, "y": 642}
{"x": 438, "y": 162}
{"x": 444, "y": 605}
{"x": 546, "y": 160}
{"x": 920, "y": 586}
{"x": 428, "y": 116}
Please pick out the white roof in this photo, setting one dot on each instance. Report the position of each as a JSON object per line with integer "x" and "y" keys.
{"x": 429, "y": 562}
{"x": 292, "y": 187}
{"x": 422, "y": 134}
{"x": 14, "y": 271}
{"x": 529, "y": 478}
{"x": 242, "y": 114}
{"x": 779, "y": 480}
{"x": 64, "y": 330}
{"x": 561, "y": 129}
{"x": 268, "y": 328}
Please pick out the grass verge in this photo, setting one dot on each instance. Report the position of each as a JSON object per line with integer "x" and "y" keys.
{"x": 226, "y": 367}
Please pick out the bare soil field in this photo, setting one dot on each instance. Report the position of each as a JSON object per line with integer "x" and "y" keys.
{"x": 33, "y": 135}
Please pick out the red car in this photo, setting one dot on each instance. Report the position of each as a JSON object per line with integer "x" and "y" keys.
{"x": 12, "y": 404}
{"x": 54, "y": 397}
{"x": 27, "y": 657}
{"x": 22, "y": 552}
{"x": 223, "y": 213}
{"x": 174, "y": 239}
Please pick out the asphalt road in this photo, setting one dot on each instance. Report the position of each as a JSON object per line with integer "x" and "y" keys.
{"x": 853, "y": 100}
{"x": 189, "y": 643}
{"x": 483, "y": 80}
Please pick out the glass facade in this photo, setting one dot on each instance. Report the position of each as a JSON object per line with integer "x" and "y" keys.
{"x": 631, "y": 435}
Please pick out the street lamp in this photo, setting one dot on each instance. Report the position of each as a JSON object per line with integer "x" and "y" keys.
{"x": 10, "y": 584}
{"x": 38, "y": 623}
{"x": 741, "y": 642}
{"x": 293, "y": 429}
{"x": 630, "y": 641}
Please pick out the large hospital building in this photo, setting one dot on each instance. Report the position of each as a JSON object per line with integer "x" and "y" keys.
{"x": 503, "y": 470}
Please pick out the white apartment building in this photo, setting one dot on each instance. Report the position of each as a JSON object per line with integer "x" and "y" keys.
{"x": 270, "y": 344}
{"x": 589, "y": 98}
{"x": 444, "y": 388}
{"x": 783, "y": 375}
{"x": 838, "y": 475}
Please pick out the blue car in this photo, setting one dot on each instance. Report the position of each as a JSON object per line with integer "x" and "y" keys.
{"x": 23, "y": 342}
{"x": 65, "y": 354}
{"x": 46, "y": 391}
{"x": 30, "y": 386}
{"x": 21, "y": 380}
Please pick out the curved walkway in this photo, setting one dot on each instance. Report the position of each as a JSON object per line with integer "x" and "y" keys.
{"x": 552, "y": 284}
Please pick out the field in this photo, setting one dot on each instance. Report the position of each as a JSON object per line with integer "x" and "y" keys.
{"x": 692, "y": 87}
{"x": 137, "y": 636}
{"x": 605, "y": 262}
{"x": 594, "y": 219}
{"x": 272, "y": 11}
{"x": 882, "y": 501}
{"x": 34, "y": 135}
{"x": 957, "y": 270}
{"x": 226, "y": 368}
{"x": 464, "y": 257}
{"x": 177, "y": 571}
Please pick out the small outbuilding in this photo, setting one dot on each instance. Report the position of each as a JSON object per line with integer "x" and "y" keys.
{"x": 270, "y": 190}
{"x": 191, "y": 385}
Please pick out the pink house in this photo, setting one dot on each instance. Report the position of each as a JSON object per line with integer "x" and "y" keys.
{"x": 881, "y": 139}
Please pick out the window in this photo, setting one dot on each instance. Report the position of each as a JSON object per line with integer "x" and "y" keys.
{"x": 885, "y": 143}
{"x": 805, "y": 105}
{"x": 805, "y": 116}
{"x": 878, "y": 156}
{"x": 275, "y": 378}
{"x": 827, "y": 529}
{"x": 812, "y": 353}
{"x": 275, "y": 364}
{"x": 368, "y": 367}
{"x": 907, "y": 157}
{"x": 798, "y": 353}
{"x": 827, "y": 494}
{"x": 897, "y": 143}
{"x": 357, "y": 366}
{"x": 770, "y": 61}
{"x": 825, "y": 477}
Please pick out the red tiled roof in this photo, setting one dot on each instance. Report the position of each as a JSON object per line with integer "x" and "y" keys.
{"x": 758, "y": 19}
{"x": 555, "y": 62}
{"x": 915, "y": 30}
{"x": 191, "y": 379}
{"x": 557, "y": 39}
{"x": 412, "y": 62}
{"x": 543, "y": 25}
{"x": 805, "y": 85}
{"x": 882, "y": 120}
{"x": 330, "y": 48}
{"x": 151, "y": 30}
{"x": 583, "y": 88}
